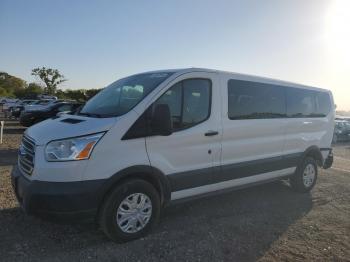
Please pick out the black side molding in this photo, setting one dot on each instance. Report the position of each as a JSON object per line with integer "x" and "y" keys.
{"x": 211, "y": 175}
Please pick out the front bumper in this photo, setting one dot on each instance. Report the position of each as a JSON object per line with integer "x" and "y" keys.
{"x": 59, "y": 201}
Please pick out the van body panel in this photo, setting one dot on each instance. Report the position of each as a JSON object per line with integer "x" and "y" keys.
{"x": 57, "y": 128}
{"x": 231, "y": 183}
{"x": 190, "y": 149}
{"x": 219, "y": 152}
{"x": 302, "y": 133}
{"x": 252, "y": 139}
{"x": 248, "y": 139}
{"x": 113, "y": 154}
{"x": 70, "y": 171}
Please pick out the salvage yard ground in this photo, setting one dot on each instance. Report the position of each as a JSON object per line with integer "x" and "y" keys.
{"x": 268, "y": 223}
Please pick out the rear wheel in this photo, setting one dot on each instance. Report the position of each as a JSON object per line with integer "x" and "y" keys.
{"x": 130, "y": 210}
{"x": 305, "y": 176}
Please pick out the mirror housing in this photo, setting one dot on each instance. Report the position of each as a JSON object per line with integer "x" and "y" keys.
{"x": 161, "y": 120}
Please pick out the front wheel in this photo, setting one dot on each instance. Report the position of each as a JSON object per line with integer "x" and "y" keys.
{"x": 130, "y": 210}
{"x": 305, "y": 176}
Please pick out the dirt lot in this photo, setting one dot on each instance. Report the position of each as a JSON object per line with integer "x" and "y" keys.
{"x": 267, "y": 223}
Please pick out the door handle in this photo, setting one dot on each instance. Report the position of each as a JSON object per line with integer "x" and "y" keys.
{"x": 211, "y": 133}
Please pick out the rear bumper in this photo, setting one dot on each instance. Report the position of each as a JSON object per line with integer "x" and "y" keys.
{"x": 58, "y": 201}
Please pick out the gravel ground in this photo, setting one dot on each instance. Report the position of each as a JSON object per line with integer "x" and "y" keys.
{"x": 266, "y": 223}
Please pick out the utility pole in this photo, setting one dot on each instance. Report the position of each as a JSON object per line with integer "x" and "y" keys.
{"x": 2, "y": 123}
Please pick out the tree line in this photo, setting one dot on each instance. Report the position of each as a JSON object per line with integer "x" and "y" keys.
{"x": 50, "y": 79}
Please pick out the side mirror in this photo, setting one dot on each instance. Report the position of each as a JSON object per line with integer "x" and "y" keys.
{"x": 161, "y": 120}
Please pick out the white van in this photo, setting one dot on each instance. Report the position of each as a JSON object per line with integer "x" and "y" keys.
{"x": 153, "y": 138}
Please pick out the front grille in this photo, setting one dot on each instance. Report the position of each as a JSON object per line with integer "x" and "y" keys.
{"x": 26, "y": 155}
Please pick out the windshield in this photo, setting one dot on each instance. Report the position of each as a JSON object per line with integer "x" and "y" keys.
{"x": 121, "y": 96}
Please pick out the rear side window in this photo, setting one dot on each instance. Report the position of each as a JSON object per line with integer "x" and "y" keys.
{"x": 323, "y": 104}
{"x": 189, "y": 102}
{"x": 300, "y": 102}
{"x": 253, "y": 100}
{"x": 307, "y": 103}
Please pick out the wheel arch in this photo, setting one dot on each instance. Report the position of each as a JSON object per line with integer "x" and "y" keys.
{"x": 315, "y": 153}
{"x": 148, "y": 173}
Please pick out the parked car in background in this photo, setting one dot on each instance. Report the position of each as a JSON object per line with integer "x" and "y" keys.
{"x": 45, "y": 103}
{"x": 16, "y": 109}
{"x": 31, "y": 117}
{"x": 47, "y": 97}
{"x": 341, "y": 131}
{"x": 2, "y": 100}
{"x": 41, "y": 104}
{"x": 8, "y": 102}
{"x": 345, "y": 118}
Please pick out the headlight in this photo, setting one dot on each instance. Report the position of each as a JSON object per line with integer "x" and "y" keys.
{"x": 78, "y": 148}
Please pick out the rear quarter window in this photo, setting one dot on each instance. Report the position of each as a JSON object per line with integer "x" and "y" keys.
{"x": 300, "y": 102}
{"x": 323, "y": 104}
{"x": 307, "y": 103}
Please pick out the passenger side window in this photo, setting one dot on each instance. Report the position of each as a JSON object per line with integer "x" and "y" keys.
{"x": 253, "y": 100}
{"x": 300, "y": 102}
{"x": 189, "y": 102}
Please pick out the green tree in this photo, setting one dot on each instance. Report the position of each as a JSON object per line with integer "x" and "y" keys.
{"x": 91, "y": 92}
{"x": 11, "y": 84}
{"x": 33, "y": 90}
{"x": 78, "y": 95}
{"x": 3, "y": 92}
{"x": 61, "y": 94}
{"x": 51, "y": 78}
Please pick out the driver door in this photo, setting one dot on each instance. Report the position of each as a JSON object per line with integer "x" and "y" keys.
{"x": 190, "y": 154}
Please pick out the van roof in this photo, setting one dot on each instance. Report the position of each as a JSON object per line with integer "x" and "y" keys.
{"x": 239, "y": 76}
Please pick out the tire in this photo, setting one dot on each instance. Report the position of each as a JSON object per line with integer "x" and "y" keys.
{"x": 120, "y": 201}
{"x": 305, "y": 176}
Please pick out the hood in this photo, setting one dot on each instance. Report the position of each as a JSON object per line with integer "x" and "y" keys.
{"x": 68, "y": 126}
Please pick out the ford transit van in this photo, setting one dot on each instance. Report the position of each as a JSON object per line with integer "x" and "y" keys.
{"x": 154, "y": 138}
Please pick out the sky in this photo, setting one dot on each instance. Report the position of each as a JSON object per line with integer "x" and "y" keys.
{"x": 93, "y": 43}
